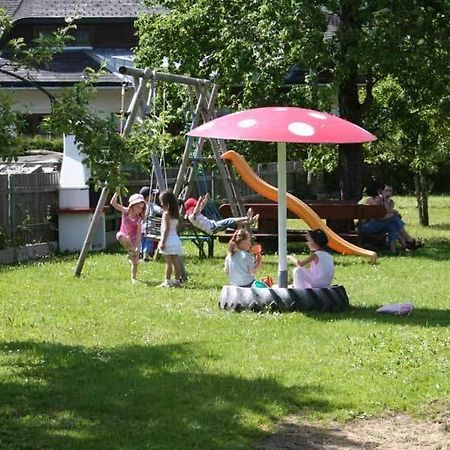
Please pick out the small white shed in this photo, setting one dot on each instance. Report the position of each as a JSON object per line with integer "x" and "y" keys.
{"x": 75, "y": 211}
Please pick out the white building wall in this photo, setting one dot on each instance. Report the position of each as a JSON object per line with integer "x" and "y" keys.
{"x": 106, "y": 100}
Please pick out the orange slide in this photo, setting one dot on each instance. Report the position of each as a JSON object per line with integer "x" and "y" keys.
{"x": 299, "y": 208}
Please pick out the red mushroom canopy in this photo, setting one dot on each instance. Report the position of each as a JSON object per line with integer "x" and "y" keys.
{"x": 283, "y": 124}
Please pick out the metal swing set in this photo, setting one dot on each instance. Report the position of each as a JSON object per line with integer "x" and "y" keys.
{"x": 144, "y": 85}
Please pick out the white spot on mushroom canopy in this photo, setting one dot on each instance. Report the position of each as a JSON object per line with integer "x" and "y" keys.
{"x": 247, "y": 123}
{"x": 206, "y": 126}
{"x": 317, "y": 115}
{"x": 280, "y": 108}
{"x": 301, "y": 129}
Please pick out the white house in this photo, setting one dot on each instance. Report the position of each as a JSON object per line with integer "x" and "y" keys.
{"x": 105, "y": 33}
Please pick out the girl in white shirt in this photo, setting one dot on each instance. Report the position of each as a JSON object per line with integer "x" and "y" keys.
{"x": 321, "y": 267}
{"x": 170, "y": 243}
{"x": 240, "y": 264}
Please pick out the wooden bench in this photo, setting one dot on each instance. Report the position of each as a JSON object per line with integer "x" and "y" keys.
{"x": 341, "y": 216}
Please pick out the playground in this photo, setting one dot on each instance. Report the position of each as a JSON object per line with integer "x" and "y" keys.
{"x": 94, "y": 362}
{"x": 245, "y": 243}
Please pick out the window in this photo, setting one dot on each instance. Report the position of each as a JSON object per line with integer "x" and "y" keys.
{"x": 82, "y": 37}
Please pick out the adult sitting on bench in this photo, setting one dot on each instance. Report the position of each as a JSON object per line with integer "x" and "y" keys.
{"x": 391, "y": 223}
{"x": 193, "y": 212}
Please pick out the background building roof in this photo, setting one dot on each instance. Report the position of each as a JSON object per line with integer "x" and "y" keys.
{"x": 33, "y": 162}
{"x": 66, "y": 68}
{"x": 10, "y": 6}
{"x": 87, "y": 9}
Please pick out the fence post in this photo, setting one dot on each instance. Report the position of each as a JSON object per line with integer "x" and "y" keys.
{"x": 12, "y": 214}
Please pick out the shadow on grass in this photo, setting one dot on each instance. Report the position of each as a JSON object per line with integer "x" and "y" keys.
{"x": 134, "y": 397}
{"x": 436, "y": 249}
{"x": 423, "y": 317}
{"x": 440, "y": 226}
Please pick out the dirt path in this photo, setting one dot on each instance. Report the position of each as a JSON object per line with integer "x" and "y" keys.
{"x": 398, "y": 432}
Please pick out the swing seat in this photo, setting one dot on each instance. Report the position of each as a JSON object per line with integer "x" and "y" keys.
{"x": 188, "y": 233}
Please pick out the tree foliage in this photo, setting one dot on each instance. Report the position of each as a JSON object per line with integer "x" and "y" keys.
{"x": 18, "y": 55}
{"x": 98, "y": 138}
{"x": 106, "y": 151}
{"x": 412, "y": 97}
{"x": 249, "y": 46}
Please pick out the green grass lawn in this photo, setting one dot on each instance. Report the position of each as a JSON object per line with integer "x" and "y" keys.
{"x": 96, "y": 363}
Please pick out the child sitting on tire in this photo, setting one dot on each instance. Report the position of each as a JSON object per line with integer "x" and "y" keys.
{"x": 240, "y": 264}
{"x": 321, "y": 266}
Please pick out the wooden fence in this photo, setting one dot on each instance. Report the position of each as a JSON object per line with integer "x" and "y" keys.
{"x": 210, "y": 181}
{"x": 28, "y": 208}
{"x": 29, "y": 203}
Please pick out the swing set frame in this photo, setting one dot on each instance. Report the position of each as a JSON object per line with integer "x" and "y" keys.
{"x": 144, "y": 82}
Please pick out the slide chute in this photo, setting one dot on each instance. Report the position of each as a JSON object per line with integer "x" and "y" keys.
{"x": 294, "y": 204}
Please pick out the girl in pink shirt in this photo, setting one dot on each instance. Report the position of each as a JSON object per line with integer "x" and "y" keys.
{"x": 129, "y": 234}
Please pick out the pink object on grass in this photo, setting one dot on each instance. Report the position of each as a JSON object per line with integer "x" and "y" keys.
{"x": 399, "y": 309}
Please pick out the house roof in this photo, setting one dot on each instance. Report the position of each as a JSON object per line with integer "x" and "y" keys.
{"x": 10, "y": 6}
{"x": 65, "y": 69}
{"x": 34, "y": 161}
{"x": 83, "y": 9}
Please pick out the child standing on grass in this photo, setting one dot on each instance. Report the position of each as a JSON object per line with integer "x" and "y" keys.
{"x": 321, "y": 267}
{"x": 129, "y": 234}
{"x": 240, "y": 264}
{"x": 148, "y": 245}
{"x": 170, "y": 244}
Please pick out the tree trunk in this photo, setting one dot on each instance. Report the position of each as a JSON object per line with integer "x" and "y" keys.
{"x": 314, "y": 180}
{"x": 421, "y": 187}
{"x": 350, "y": 171}
{"x": 350, "y": 155}
{"x": 350, "y": 159}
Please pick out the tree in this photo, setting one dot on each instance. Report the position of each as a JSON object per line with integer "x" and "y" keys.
{"x": 252, "y": 45}
{"x": 409, "y": 136}
{"x": 412, "y": 100}
{"x": 17, "y": 54}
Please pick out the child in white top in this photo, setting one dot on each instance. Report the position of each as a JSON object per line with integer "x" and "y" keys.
{"x": 170, "y": 243}
{"x": 240, "y": 264}
{"x": 321, "y": 267}
{"x": 193, "y": 210}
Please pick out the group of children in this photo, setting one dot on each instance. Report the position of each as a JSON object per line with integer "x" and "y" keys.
{"x": 241, "y": 263}
{"x": 130, "y": 234}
